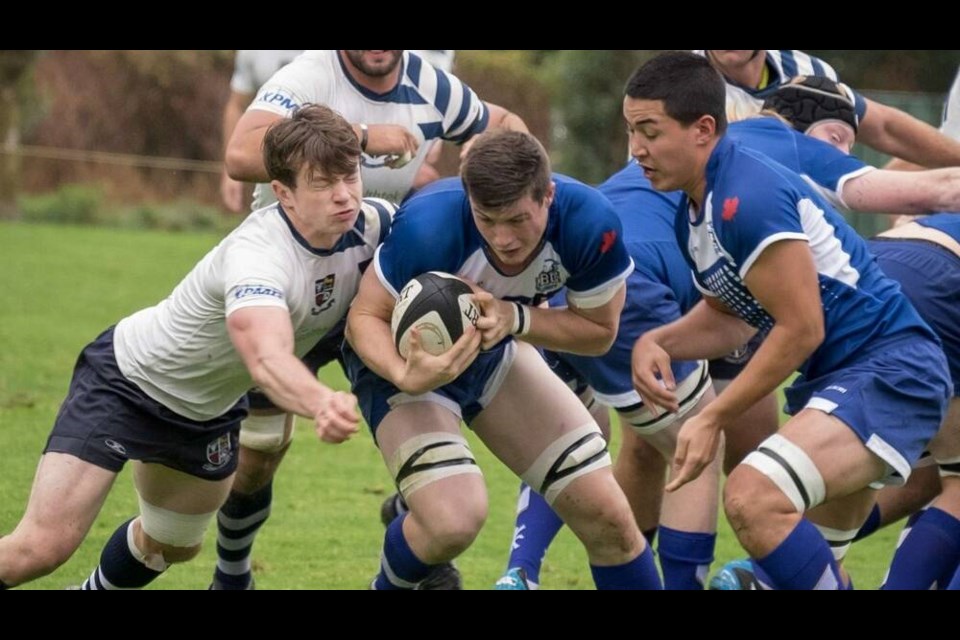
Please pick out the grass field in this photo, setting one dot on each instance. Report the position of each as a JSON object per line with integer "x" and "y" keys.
{"x": 63, "y": 285}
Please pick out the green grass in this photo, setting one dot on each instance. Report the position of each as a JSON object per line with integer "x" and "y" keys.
{"x": 63, "y": 285}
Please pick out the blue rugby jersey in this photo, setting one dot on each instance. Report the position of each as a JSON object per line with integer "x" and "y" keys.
{"x": 750, "y": 203}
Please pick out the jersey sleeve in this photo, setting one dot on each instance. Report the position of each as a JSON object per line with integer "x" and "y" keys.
{"x": 419, "y": 240}
{"x": 750, "y": 219}
{"x": 594, "y": 252}
{"x": 294, "y": 85}
{"x": 464, "y": 113}
{"x": 826, "y": 166}
{"x": 253, "y": 276}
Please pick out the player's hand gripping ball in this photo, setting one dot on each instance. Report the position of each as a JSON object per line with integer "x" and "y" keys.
{"x": 439, "y": 305}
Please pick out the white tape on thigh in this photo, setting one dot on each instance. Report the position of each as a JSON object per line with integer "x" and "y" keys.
{"x": 689, "y": 392}
{"x": 838, "y": 540}
{"x": 172, "y": 528}
{"x": 430, "y": 457}
{"x": 267, "y": 433}
{"x": 791, "y": 469}
{"x": 572, "y": 455}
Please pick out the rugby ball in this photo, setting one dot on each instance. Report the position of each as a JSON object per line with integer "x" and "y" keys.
{"x": 439, "y": 305}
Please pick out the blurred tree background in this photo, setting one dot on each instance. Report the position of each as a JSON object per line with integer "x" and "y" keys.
{"x": 168, "y": 104}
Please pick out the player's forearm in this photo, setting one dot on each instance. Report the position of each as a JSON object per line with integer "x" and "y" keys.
{"x": 704, "y": 333}
{"x": 244, "y": 158}
{"x": 901, "y": 135}
{"x": 780, "y": 355}
{"x": 904, "y": 193}
{"x": 500, "y": 118}
{"x": 564, "y": 330}
{"x": 289, "y": 384}
{"x": 370, "y": 338}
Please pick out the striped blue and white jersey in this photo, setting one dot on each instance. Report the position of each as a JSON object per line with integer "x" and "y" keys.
{"x": 179, "y": 352}
{"x": 430, "y": 103}
{"x": 823, "y": 166}
{"x": 582, "y": 247}
{"x": 751, "y": 203}
{"x": 782, "y": 65}
{"x": 948, "y": 223}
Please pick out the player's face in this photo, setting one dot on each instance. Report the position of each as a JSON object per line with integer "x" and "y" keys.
{"x": 375, "y": 62}
{"x": 327, "y": 205}
{"x": 834, "y": 132}
{"x": 663, "y": 147}
{"x": 514, "y": 232}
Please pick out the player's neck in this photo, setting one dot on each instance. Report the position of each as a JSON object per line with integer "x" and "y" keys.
{"x": 316, "y": 238}
{"x": 377, "y": 84}
{"x": 748, "y": 75}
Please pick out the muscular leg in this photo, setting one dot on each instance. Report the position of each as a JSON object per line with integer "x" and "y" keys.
{"x": 688, "y": 521}
{"x": 66, "y": 497}
{"x": 175, "y": 510}
{"x": 537, "y": 524}
{"x": 533, "y": 410}
{"x": 831, "y": 463}
{"x": 447, "y": 502}
{"x": 264, "y": 440}
{"x": 641, "y": 472}
{"x": 929, "y": 553}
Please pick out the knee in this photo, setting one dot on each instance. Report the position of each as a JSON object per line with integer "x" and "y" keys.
{"x": 35, "y": 555}
{"x": 748, "y": 497}
{"x": 453, "y": 530}
{"x": 256, "y": 469}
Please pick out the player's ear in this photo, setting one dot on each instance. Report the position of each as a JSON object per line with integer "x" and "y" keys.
{"x": 705, "y": 129}
{"x": 283, "y": 192}
{"x": 551, "y": 192}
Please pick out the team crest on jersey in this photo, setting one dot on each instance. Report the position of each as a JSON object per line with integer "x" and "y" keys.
{"x": 323, "y": 293}
{"x": 549, "y": 279}
{"x": 219, "y": 453}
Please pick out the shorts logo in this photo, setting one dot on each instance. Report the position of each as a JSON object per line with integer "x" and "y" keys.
{"x": 549, "y": 279}
{"x": 323, "y": 293}
{"x": 219, "y": 453}
{"x": 116, "y": 446}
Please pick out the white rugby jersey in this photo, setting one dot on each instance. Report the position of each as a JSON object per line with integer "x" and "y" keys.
{"x": 430, "y": 103}
{"x": 253, "y": 67}
{"x": 179, "y": 352}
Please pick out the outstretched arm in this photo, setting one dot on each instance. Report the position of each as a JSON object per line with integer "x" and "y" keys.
{"x": 904, "y": 192}
{"x": 263, "y": 336}
{"x": 899, "y": 134}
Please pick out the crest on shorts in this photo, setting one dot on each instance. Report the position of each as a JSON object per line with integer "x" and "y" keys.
{"x": 219, "y": 453}
{"x": 323, "y": 293}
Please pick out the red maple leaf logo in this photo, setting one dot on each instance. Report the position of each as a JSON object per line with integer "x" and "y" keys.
{"x": 730, "y": 208}
{"x": 609, "y": 237}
